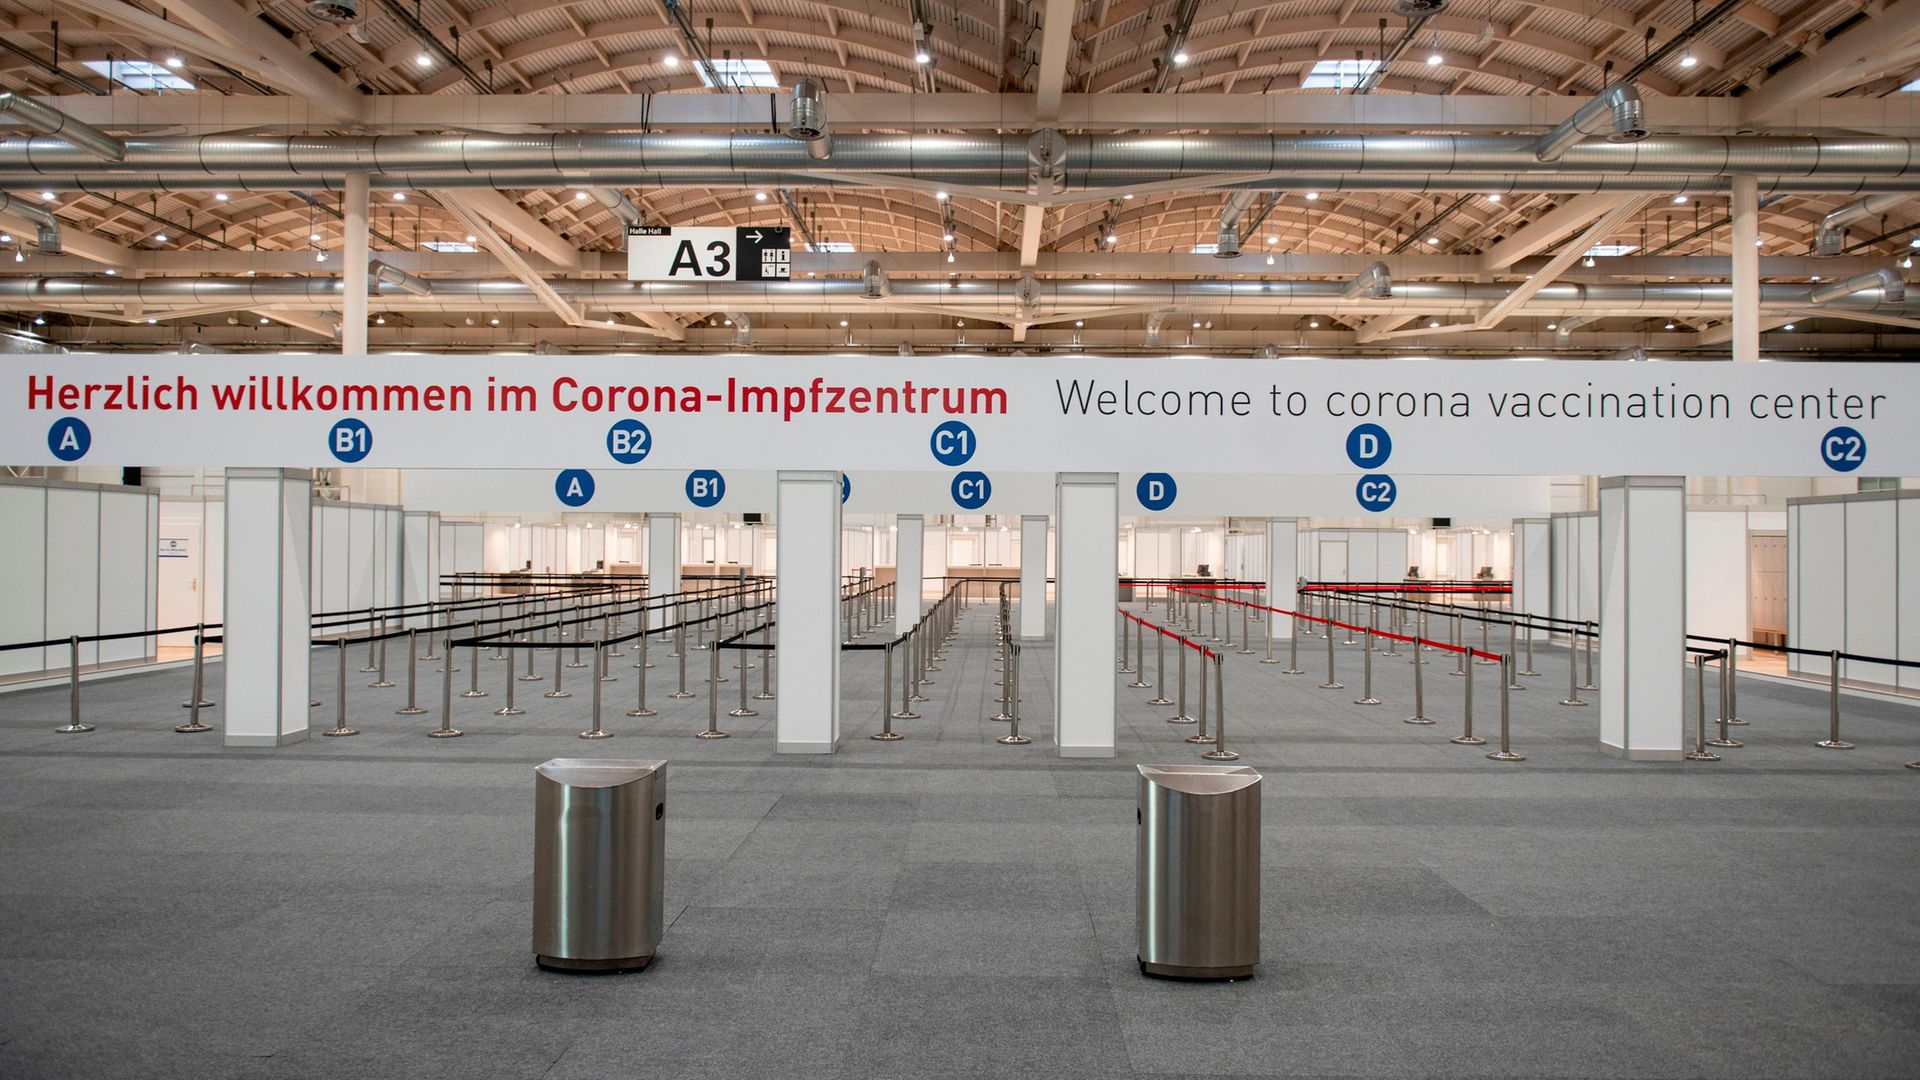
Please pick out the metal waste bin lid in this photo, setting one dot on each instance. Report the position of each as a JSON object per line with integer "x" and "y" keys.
{"x": 597, "y": 772}
{"x": 1201, "y": 779}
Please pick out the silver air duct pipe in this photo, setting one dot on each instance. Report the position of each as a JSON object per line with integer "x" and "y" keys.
{"x": 389, "y": 274}
{"x": 1373, "y": 283}
{"x": 51, "y": 121}
{"x": 1618, "y": 109}
{"x": 1892, "y": 289}
{"x": 621, "y": 206}
{"x": 742, "y": 327}
{"x": 873, "y": 282}
{"x": 1228, "y": 245}
{"x": 1565, "y": 327}
{"x": 1155, "y": 320}
{"x": 1046, "y": 162}
{"x": 808, "y": 123}
{"x": 46, "y": 227}
{"x": 1830, "y": 239}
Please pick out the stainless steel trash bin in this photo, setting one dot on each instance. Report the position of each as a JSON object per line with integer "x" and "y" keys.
{"x": 599, "y": 855}
{"x": 1199, "y": 892}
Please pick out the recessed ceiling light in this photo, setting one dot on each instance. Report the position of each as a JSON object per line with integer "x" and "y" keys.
{"x": 1312, "y": 195}
{"x": 759, "y": 196}
{"x": 1680, "y": 200}
{"x": 174, "y": 62}
{"x": 399, "y": 196}
{"x": 671, "y": 59}
{"x": 220, "y": 196}
{"x": 313, "y": 237}
{"x": 1180, "y": 57}
{"x": 423, "y": 60}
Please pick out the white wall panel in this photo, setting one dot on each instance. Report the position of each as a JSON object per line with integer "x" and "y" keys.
{"x": 23, "y": 578}
{"x": 1872, "y": 593}
{"x": 73, "y": 569}
{"x": 1820, "y": 595}
{"x": 1908, "y": 572}
{"x": 125, "y": 571}
{"x": 361, "y": 557}
{"x": 1717, "y": 585}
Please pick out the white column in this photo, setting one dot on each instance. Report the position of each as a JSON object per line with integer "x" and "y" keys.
{"x": 420, "y": 559}
{"x": 1033, "y": 576}
{"x": 806, "y": 628}
{"x": 1643, "y": 616}
{"x": 663, "y": 554}
{"x": 1532, "y": 568}
{"x": 1283, "y": 570}
{"x": 907, "y": 568}
{"x": 268, "y": 577}
{"x": 353, "y": 312}
{"x": 1087, "y": 513}
{"x": 1746, "y": 268}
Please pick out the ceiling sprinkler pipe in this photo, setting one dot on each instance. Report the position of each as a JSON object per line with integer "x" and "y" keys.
{"x": 742, "y": 327}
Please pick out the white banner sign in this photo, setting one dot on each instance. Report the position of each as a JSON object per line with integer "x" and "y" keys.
{"x": 966, "y": 414}
{"x": 665, "y": 253}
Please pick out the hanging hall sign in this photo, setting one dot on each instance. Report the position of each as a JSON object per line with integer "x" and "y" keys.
{"x": 666, "y": 253}
{"x": 1362, "y": 417}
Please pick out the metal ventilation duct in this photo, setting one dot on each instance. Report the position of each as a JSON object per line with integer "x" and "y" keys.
{"x": 1617, "y": 110}
{"x": 1892, "y": 289}
{"x": 873, "y": 282}
{"x": 398, "y": 278}
{"x": 51, "y": 121}
{"x": 1373, "y": 283}
{"x": 1831, "y": 236}
{"x": 1227, "y": 245}
{"x": 46, "y": 226}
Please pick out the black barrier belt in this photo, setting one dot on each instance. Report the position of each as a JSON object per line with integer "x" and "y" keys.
{"x": 1518, "y": 618}
{"x": 125, "y": 635}
{"x": 599, "y": 611}
{"x": 432, "y": 607}
{"x": 635, "y": 635}
{"x": 1797, "y": 651}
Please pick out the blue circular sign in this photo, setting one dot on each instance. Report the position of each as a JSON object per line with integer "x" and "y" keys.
{"x": 953, "y": 443}
{"x": 1376, "y": 492}
{"x": 1843, "y": 449}
{"x": 629, "y": 441}
{"x": 846, "y": 487}
{"x": 69, "y": 438}
{"x": 1369, "y": 446}
{"x": 574, "y": 487}
{"x": 350, "y": 440}
{"x": 705, "y": 487}
{"x": 1156, "y": 490}
{"x": 971, "y": 490}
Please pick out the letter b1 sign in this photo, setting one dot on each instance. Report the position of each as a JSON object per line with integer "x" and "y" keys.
{"x": 705, "y": 487}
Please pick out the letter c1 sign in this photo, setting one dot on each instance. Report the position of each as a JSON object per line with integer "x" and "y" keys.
{"x": 1156, "y": 491}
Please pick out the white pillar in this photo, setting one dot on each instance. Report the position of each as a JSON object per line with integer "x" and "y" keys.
{"x": 1532, "y": 569}
{"x": 1746, "y": 268}
{"x": 1283, "y": 571}
{"x": 1033, "y": 576}
{"x": 1087, "y": 513}
{"x": 806, "y": 626}
{"x": 353, "y": 312}
{"x": 1643, "y": 616}
{"x": 663, "y": 554}
{"x": 907, "y": 568}
{"x": 420, "y": 560}
{"x": 268, "y": 578}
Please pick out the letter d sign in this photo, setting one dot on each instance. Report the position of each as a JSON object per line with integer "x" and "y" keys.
{"x": 1156, "y": 491}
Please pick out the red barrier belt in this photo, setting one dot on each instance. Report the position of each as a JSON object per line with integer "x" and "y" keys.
{"x": 1441, "y": 645}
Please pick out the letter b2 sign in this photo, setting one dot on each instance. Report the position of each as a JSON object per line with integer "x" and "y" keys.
{"x": 1156, "y": 491}
{"x": 628, "y": 442}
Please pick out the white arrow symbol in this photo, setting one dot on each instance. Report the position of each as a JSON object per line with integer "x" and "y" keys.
{"x": 757, "y": 235}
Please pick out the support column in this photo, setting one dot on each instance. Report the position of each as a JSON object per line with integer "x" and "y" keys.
{"x": 353, "y": 312}
{"x": 663, "y": 554}
{"x": 268, "y": 576}
{"x": 1033, "y": 577}
{"x": 1283, "y": 571}
{"x": 908, "y": 565}
{"x": 1746, "y": 269}
{"x": 1532, "y": 568}
{"x": 1087, "y": 513}
{"x": 1643, "y": 616}
{"x": 807, "y": 627}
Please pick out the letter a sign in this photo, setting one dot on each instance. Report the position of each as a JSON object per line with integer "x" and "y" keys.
{"x": 665, "y": 253}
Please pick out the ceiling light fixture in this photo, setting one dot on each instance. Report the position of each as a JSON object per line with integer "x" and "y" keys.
{"x": 1688, "y": 60}
{"x": 46, "y": 196}
{"x": 472, "y": 239}
{"x": 581, "y": 196}
{"x": 423, "y": 60}
{"x": 940, "y": 195}
{"x": 220, "y": 196}
{"x": 1789, "y": 326}
{"x": 159, "y": 238}
{"x": 174, "y": 62}
{"x": 1587, "y": 262}
{"x": 1680, "y": 200}
{"x": 922, "y": 56}
{"x": 1670, "y": 326}
{"x": 313, "y": 237}
{"x": 671, "y": 59}
{"x": 1312, "y": 195}
{"x": 1180, "y": 57}
{"x": 399, "y": 196}
{"x": 759, "y": 196}
{"x": 1495, "y": 197}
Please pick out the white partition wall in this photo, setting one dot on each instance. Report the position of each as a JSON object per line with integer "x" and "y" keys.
{"x": 80, "y": 560}
{"x": 462, "y": 547}
{"x": 1283, "y": 570}
{"x": 807, "y": 629}
{"x": 1087, "y": 509}
{"x": 1033, "y": 577}
{"x": 909, "y": 553}
{"x": 1532, "y": 567}
{"x": 1718, "y": 582}
{"x": 663, "y": 554}
{"x": 1643, "y": 615}
{"x": 1576, "y": 565}
{"x": 270, "y": 517}
{"x": 1853, "y": 582}
{"x": 420, "y": 557}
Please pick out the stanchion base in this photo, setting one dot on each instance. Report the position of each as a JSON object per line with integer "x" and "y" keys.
{"x": 1271, "y": 660}
{"x": 1573, "y": 703}
{"x": 1457, "y": 672}
{"x": 1528, "y": 674}
{"x": 642, "y": 712}
{"x": 1221, "y": 755}
{"x": 1468, "y": 740}
{"x": 906, "y": 714}
{"x": 578, "y": 664}
{"x": 1588, "y": 686}
{"x": 596, "y": 734}
{"x": 919, "y": 698}
{"x": 721, "y": 679}
{"x": 368, "y": 670}
{"x": 383, "y": 684}
{"x": 1508, "y": 755}
{"x": 189, "y": 728}
{"x": 1486, "y": 663}
{"x": 1694, "y": 755}
{"x": 1913, "y": 764}
{"x": 443, "y": 671}
{"x": 886, "y": 736}
{"x": 763, "y": 696}
{"x": 411, "y": 710}
{"x": 531, "y": 678}
{"x": 1293, "y": 671}
{"x": 1418, "y": 720}
{"x": 1138, "y": 685}
{"x": 565, "y": 693}
{"x": 1333, "y": 686}
{"x": 510, "y": 710}
{"x": 1244, "y": 652}
{"x": 1834, "y": 744}
{"x": 681, "y": 694}
{"x": 1366, "y": 701}
{"x": 1117, "y": 671}
{"x": 330, "y": 732}
{"x": 1204, "y": 740}
{"x": 314, "y": 703}
{"x": 743, "y": 712}
{"x": 445, "y": 733}
{"x": 1158, "y": 701}
{"x": 1723, "y": 743}
{"x": 1515, "y": 686}
{"x": 71, "y": 729}
{"x": 473, "y": 693}
{"x": 558, "y": 963}
{"x": 1734, "y": 721}
{"x": 208, "y": 705}
{"x": 714, "y": 734}
{"x": 1182, "y": 719}
{"x": 1013, "y": 740}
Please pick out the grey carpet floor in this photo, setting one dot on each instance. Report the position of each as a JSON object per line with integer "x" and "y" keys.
{"x": 949, "y": 907}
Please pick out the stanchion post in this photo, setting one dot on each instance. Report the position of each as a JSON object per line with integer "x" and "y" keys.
{"x": 1592, "y": 635}
{"x": 596, "y": 731}
{"x": 1366, "y": 672}
{"x": 1219, "y": 751}
{"x": 1419, "y": 687}
{"x": 1505, "y": 753}
{"x": 886, "y": 732}
{"x": 1466, "y": 736}
{"x": 713, "y": 701}
{"x": 766, "y": 658}
{"x": 340, "y": 690}
{"x": 559, "y": 675}
{"x": 473, "y": 662}
{"x": 1700, "y": 751}
{"x": 73, "y": 725}
{"x": 446, "y": 730}
{"x": 1833, "y": 741}
{"x": 1200, "y": 732}
{"x": 745, "y": 710}
{"x": 1726, "y": 696}
{"x": 1180, "y": 711}
{"x": 413, "y": 706}
{"x": 1139, "y": 668}
{"x": 193, "y": 723}
{"x": 510, "y": 709}
{"x": 1730, "y": 698}
{"x": 1013, "y": 736}
{"x": 1331, "y": 683}
{"x": 1572, "y": 700}
{"x": 680, "y": 650}
{"x": 382, "y": 682}
{"x": 371, "y": 641}
{"x": 1159, "y": 667}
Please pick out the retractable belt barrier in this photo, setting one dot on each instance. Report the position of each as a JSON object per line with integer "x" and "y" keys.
{"x": 1218, "y": 740}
